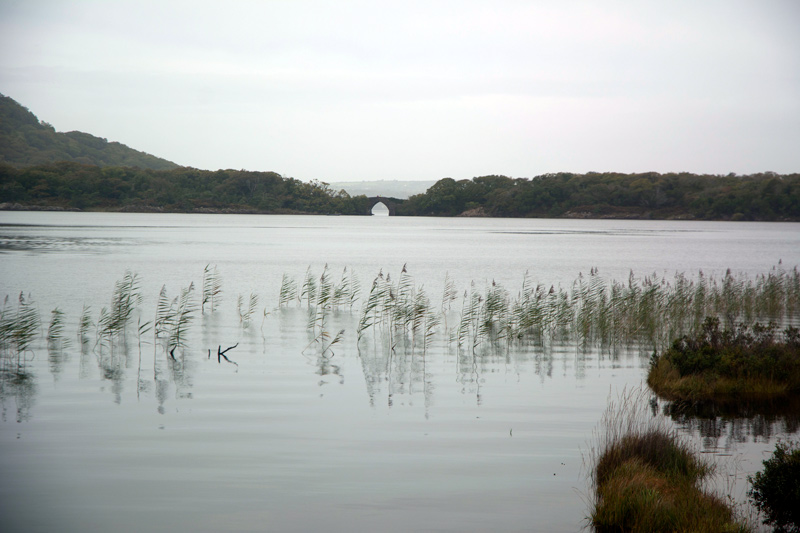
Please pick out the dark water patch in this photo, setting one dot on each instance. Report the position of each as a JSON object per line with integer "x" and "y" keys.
{"x": 25, "y": 243}
{"x": 725, "y": 424}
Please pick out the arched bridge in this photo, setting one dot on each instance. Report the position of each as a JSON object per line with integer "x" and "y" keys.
{"x": 390, "y": 203}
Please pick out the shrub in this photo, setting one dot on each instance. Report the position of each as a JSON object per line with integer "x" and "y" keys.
{"x": 731, "y": 364}
{"x": 776, "y": 490}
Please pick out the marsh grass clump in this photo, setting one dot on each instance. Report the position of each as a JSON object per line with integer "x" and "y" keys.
{"x": 646, "y": 479}
{"x": 728, "y": 365}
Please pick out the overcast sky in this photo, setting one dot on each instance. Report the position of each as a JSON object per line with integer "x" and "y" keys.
{"x": 341, "y": 91}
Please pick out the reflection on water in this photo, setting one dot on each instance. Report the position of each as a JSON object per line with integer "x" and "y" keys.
{"x": 55, "y": 244}
{"x": 724, "y": 426}
{"x": 18, "y": 387}
{"x": 388, "y": 373}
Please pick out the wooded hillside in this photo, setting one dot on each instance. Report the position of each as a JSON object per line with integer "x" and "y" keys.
{"x": 24, "y": 141}
{"x": 68, "y": 185}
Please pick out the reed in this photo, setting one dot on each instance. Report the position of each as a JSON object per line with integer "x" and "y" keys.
{"x": 399, "y": 312}
{"x": 650, "y": 311}
{"x": 347, "y": 292}
{"x": 173, "y": 317}
{"x": 288, "y": 291}
{"x": 371, "y": 311}
{"x": 55, "y": 332}
{"x": 320, "y": 298}
{"x": 246, "y": 312}
{"x": 644, "y": 312}
{"x": 85, "y": 324}
{"x": 126, "y": 298}
{"x": 18, "y": 325}
{"x": 212, "y": 289}
{"x": 184, "y": 314}
{"x": 309, "y": 290}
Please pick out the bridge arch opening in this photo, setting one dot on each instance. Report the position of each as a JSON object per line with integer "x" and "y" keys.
{"x": 381, "y": 202}
{"x": 379, "y": 209}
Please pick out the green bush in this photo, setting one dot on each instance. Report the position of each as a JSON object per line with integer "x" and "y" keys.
{"x": 737, "y": 353}
{"x": 776, "y": 490}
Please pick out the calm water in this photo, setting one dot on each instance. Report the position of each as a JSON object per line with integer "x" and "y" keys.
{"x": 130, "y": 440}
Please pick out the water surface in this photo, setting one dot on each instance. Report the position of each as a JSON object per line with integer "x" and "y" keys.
{"x": 288, "y": 439}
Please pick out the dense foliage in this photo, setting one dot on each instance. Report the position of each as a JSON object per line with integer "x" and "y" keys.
{"x": 776, "y": 490}
{"x": 766, "y": 196}
{"x": 738, "y": 363}
{"x": 183, "y": 189}
{"x": 24, "y": 140}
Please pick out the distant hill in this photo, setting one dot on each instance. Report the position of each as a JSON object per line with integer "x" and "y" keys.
{"x": 390, "y": 188}
{"x": 26, "y": 141}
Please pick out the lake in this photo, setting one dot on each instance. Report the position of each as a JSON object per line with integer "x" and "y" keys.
{"x": 119, "y": 435}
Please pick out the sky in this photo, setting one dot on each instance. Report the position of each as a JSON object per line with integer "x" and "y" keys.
{"x": 406, "y": 90}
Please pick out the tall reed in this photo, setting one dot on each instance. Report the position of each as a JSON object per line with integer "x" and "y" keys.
{"x": 126, "y": 298}
{"x": 18, "y": 325}
{"x": 320, "y": 298}
{"x": 399, "y": 312}
{"x": 246, "y": 312}
{"x": 212, "y": 289}
{"x": 173, "y": 317}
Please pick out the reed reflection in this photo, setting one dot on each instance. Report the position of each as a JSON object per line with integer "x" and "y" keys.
{"x": 17, "y": 385}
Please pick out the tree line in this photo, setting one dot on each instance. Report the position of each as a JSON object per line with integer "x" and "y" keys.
{"x": 69, "y": 185}
{"x": 765, "y": 196}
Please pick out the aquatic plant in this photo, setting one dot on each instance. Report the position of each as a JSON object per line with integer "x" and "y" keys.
{"x": 309, "y": 291}
{"x": 288, "y": 291}
{"x": 55, "y": 331}
{"x": 399, "y": 311}
{"x": 467, "y": 333}
{"x": 371, "y": 311}
{"x": 650, "y": 311}
{"x": 18, "y": 325}
{"x": 126, "y": 298}
{"x": 319, "y": 310}
{"x": 173, "y": 317}
{"x": 84, "y": 323}
{"x": 246, "y": 313}
{"x": 347, "y": 292}
{"x": 212, "y": 289}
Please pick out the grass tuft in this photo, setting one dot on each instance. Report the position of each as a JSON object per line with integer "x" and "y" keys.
{"x": 647, "y": 479}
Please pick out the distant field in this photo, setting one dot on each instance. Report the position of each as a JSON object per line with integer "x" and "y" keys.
{"x": 391, "y": 188}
